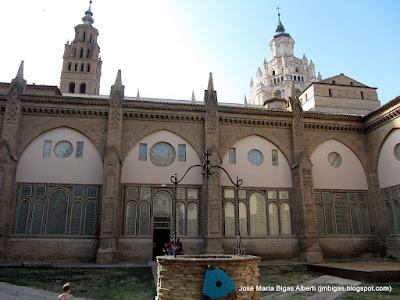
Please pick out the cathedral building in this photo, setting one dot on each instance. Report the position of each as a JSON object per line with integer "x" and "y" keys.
{"x": 86, "y": 177}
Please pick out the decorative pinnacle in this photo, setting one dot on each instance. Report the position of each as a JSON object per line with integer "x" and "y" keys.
{"x": 88, "y": 18}
{"x": 210, "y": 83}
{"x": 20, "y": 73}
{"x": 118, "y": 79}
{"x": 280, "y": 27}
{"x": 293, "y": 92}
{"x": 193, "y": 97}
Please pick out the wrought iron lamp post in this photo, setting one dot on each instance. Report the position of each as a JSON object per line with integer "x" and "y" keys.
{"x": 207, "y": 168}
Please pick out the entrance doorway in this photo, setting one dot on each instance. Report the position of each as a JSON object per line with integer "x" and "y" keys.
{"x": 160, "y": 237}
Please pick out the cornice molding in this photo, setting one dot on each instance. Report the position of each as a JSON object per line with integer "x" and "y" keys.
{"x": 65, "y": 111}
{"x": 163, "y": 117}
{"x": 386, "y": 117}
{"x": 334, "y": 127}
{"x": 256, "y": 122}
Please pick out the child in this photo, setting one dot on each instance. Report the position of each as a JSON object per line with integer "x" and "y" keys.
{"x": 66, "y": 295}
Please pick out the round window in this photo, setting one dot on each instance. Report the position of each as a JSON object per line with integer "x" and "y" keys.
{"x": 397, "y": 151}
{"x": 162, "y": 154}
{"x": 334, "y": 159}
{"x": 63, "y": 149}
{"x": 255, "y": 157}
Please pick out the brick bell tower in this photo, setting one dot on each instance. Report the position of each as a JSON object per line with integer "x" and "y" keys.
{"x": 81, "y": 68}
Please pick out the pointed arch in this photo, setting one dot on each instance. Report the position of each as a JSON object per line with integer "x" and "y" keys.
{"x": 140, "y": 168}
{"x": 388, "y": 164}
{"x": 272, "y": 169}
{"x": 336, "y": 166}
{"x": 33, "y": 166}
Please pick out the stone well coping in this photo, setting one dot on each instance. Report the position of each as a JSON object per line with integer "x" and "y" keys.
{"x": 207, "y": 258}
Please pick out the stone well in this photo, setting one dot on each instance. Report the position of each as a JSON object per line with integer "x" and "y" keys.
{"x": 182, "y": 277}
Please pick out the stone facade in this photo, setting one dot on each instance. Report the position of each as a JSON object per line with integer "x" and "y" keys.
{"x": 292, "y": 219}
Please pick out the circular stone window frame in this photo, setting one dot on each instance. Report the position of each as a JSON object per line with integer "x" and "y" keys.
{"x": 396, "y": 151}
{"x": 337, "y": 155}
{"x": 63, "y": 141}
{"x": 162, "y": 165}
{"x": 256, "y": 151}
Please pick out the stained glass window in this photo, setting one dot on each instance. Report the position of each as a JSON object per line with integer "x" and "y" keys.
{"x": 342, "y": 222}
{"x": 145, "y": 192}
{"x": 180, "y": 218}
{"x": 354, "y": 220}
{"x": 63, "y": 149}
{"x": 229, "y": 193}
{"x": 389, "y": 208}
{"x": 76, "y": 216}
{"x": 232, "y": 156}
{"x": 180, "y": 193}
{"x": 37, "y": 217}
{"x": 192, "y": 222}
{"x": 132, "y": 193}
{"x": 142, "y": 151}
{"x": 90, "y": 218}
{"x": 284, "y": 212}
{"x": 275, "y": 161}
{"x": 182, "y": 152}
{"x": 47, "y": 149}
{"x": 365, "y": 219}
{"x": 283, "y": 195}
{"x": 79, "y": 150}
{"x": 193, "y": 194}
{"x": 78, "y": 191}
{"x": 22, "y": 221}
{"x": 320, "y": 219}
{"x": 57, "y": 213}
{"x": 130, "y": 227}
{"x": 329, "y": 219}
{"x": 317, "y": 197}
{"x": 92, "y": 191}
{"x": 40, "y": 191}
{"x": 26, "y": 191}
{"x": 229, "y": 218}
{"x": 255, "y": 157}
{"x": 162, "y": 154}
{"x": 273, "y": 219}
{"x": 162, "y": 203}
{"x": 144, "y": 218}
{"x": 243, "y": 218}
{"x": 242, "y": 194}
{"x": 258, "y": 220}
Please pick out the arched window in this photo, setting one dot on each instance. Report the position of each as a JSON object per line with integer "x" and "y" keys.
{"x": 84, "y": 35}
{"x": 130, "y": 218}
{"x": 76, "y": 67}
{"x": 354, "y": 220}
{"x": 365, "y": 219}
{"x": 69, "y": 66}
{"x": 298, "y": 78}
{"x": 273, "y": 72}
{"x": 82, "y": 88}
{"x": 192, "y": 222}
{"x": 88, "y": 53}
{"x": 76, "y": 217}
{"x": 22, "y": 221}
{"x": 278, "y": 94}
{"x": 258, "y": 220}
{"x": 243, "y": 218}
{"x": 229, "y": 218}
{"x": 90, "y": 218}
{"x": 74, "y": 52}
{"x": 144, "y": 218}
{"x": 82, "y": 67}
{"x": 297, "y": 69}
{"x": 329, "y": 219}
{"x": 341, "y": 215}
{"x": 284, "y": 214}
{"x": 330, "y": 92}
{"x": 81, "y": 53}
{"x": 162, "y": 204}
{"x": 302, "y": 78}
{"x": 71, "y": 87}
{"x": 91, "y": 38}
{"x": 180, "y": 218}
{"x": 88, "y": 67}
{"x": 37, "y": 217}
{"x": 57, "y": 213}
{"x": 320, "y": 219}
{"x": 273, "y": 219}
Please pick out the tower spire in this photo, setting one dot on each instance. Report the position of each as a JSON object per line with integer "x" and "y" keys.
{"x": 279, "y": 28}
{"x": 88, "y": 18}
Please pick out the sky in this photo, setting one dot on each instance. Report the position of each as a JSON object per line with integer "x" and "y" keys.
{"x": 166, "y": 48}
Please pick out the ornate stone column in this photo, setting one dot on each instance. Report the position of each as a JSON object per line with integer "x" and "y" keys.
{"x": 305, "y": 224}
{"x": 8, "y": 156}
{"x": 212, "y": 202}
{"x": 108, "y": 248}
